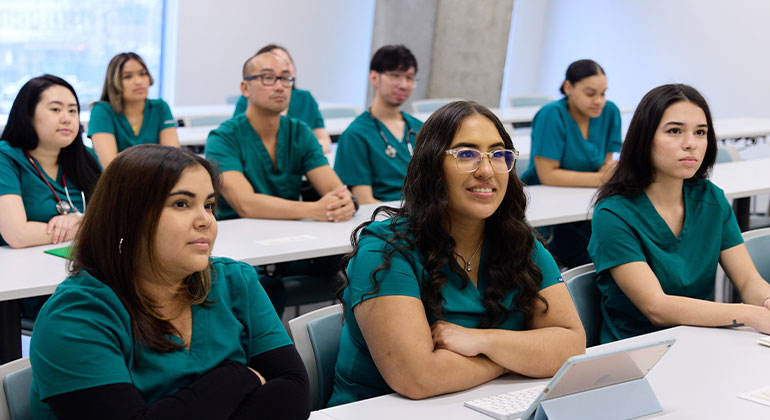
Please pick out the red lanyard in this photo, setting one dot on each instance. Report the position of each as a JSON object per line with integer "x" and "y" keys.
{"x": 39, "y": 172}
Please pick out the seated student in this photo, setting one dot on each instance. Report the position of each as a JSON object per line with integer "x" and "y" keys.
{"x": 573, "y": 140}
{"x": 374, "y": 151}
{"x": 263, "y": 155}
{"x": 124, "y": 117}
{"x": 454, "y": 290}
{"x": 302, "y": 105}
{"x": 148, "y": 325}
{"x": 46, "y": 172}
{"x": 660, "y": 227}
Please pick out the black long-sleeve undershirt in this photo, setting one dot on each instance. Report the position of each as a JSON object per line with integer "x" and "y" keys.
{"x": 229, "y": 391}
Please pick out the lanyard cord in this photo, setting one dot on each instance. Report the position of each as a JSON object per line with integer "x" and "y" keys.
{"x": 39, "y": 172}
{"x": 385, "y": 139}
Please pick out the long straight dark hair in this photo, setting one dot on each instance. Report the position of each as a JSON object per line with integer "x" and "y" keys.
{"x": 76, "y": 161}
{"x": 634, "y": 171}
{"x": 119, "y": 229}
{"x": 508, "y": 236}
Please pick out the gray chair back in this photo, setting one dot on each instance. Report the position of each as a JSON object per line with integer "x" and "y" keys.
{"x": 14, "y": 398}
{"x": 581, "y": 283}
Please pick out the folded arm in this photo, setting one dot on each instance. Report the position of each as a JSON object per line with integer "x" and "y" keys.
{"x": 18, "y": 232}
{"x": 549, "y": 172}
{"x": 554, "y": 336}
{"x": 399, "y": 339}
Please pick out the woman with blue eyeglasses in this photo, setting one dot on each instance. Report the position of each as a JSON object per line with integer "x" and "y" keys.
{"x": 46, "y": 173}
{"x": 453, "y": 290}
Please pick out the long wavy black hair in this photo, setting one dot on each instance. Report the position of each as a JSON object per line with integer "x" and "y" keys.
{"x": 20, "y": 132}
{"x": 634, "y": 171}
{"x": 509, "y": 238}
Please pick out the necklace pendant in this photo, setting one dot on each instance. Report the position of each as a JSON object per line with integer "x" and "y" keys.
{"x": 468, "y": 267}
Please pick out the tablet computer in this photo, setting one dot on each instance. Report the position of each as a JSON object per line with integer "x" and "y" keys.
{"x": 602, "y": 368}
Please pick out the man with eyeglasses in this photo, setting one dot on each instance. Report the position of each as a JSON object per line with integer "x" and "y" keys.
{"x": 374, "y": 151}
{"x": 263, "y": 155}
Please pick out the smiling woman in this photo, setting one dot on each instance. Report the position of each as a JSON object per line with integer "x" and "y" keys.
{"x": 148, "y": 324}
{"x": 453, "y": 290}
{"x": 660, "y": 227}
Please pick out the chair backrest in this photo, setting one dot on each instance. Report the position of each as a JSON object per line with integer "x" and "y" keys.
{"x": 14, "y": 398}
{"x": 581, "y": 283}
{"x": 758, "y": 244}
{"x": 340, "y": 111}
{"x": 203, "y": 120}
{"x": 430, "y": 105}
{"x": 726, "y": 153}
{"x": 317, "y": 338}
{"x": 529, "y": 100}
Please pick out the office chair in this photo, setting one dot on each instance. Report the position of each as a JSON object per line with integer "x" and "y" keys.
{"x": 581, "y": 283}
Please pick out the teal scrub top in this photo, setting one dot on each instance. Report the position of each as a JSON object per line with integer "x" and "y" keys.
{"x": 302, "y": 106}
{"x": 356, "y": 375}
{"x": 157, "y": 117}
{"x": 235, "y": 146}
{"x": 361, "y": 158}
{"x": 629, "y": 229}
{"x": 83, "y": 338}
{"x": 556, "y": 136}
{"x": 18, "y": 176}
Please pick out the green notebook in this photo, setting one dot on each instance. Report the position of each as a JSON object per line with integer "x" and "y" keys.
{"x": 64, "y": 252}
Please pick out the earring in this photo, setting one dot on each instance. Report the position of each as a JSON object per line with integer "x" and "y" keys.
{"x": 120, "y": 246}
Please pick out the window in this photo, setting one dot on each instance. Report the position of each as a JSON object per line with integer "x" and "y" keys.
{"x": 75, "y": 40}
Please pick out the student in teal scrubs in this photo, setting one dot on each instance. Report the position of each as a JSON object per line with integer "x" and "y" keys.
{"x": 124, "y": 117}
{"x": 573, "y": 140}
{"x": 302, "y": 105}
{"x": 453, "y": 290}
{"x": 45, "y": 170}
{"x": 263, "y": 156}
{"x": 148, "y": 325}
{"x": 660, "y": 227}
{"x": 374, "y": 151}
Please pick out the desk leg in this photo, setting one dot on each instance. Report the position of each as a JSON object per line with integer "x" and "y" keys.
{"x": 742, "y": 208}
{"x": 10, "y": 330}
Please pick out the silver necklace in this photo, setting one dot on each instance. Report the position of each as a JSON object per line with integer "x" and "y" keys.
{"x": 467, "y": 263}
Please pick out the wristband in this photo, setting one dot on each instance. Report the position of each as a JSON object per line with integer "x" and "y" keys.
{"x": 356, "y": 205}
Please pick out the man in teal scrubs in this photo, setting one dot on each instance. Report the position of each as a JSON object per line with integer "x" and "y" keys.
{"x": 374, "y": 151}
{"x": 263, "y": 156}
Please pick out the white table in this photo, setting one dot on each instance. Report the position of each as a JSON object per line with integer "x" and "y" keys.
{"x": 335, "y": 126}
{"x": 741, "y": 128}
{"x": 698, "y": 378}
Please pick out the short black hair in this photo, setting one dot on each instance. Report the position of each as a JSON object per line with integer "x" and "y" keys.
{"x": 393, "y": 57}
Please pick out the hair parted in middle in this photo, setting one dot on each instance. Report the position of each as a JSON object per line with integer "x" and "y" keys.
{"x": 117, "y": 233}
{"x": 112, "y": 91}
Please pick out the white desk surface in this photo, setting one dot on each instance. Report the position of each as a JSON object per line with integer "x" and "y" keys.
{"x": 745, "y": 127}
{"x": 699, "y": 378}
{"x": 335, "y": 126}
{"x": 202, "y": 110}
{"x": 30, "y": 272}
{"x": 194, "y": 136}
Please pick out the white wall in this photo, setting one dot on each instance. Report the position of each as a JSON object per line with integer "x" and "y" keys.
{"x": 329, "y": 40}
{"x": 719, "y": 47}
{"x": 525, "y": 44}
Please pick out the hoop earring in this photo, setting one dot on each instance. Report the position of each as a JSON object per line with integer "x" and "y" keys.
{"x": 120, "y": 246}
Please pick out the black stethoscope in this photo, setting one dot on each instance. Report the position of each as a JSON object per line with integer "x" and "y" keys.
{"x": 62, "y": 207}
{"x": 390, "y": 151}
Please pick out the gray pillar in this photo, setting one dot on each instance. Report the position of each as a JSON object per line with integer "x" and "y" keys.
{"x": 469, "y": 46}
{"x": 410, "y": 23}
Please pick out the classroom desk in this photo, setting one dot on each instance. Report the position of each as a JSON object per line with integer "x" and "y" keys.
{"x": 698, "y": 378}
{"x": 741, "y": 128}
{"x": 29, "y": 272}
{"x": 25, "y": 273}
{"x": 508, "y": 116}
